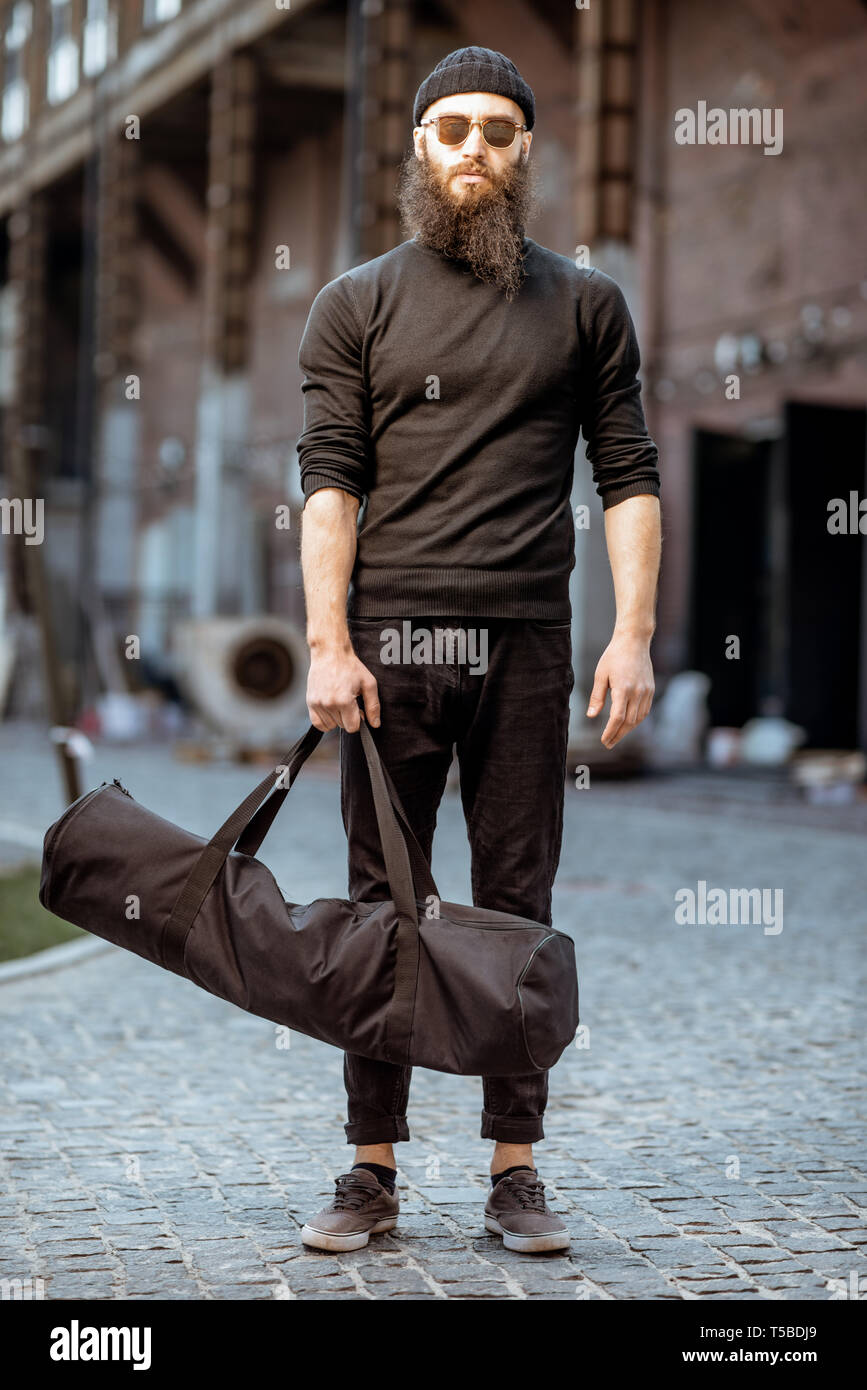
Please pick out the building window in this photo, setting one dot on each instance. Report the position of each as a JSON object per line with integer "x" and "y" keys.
{"x": 16, "y": 93}
{"x": 99, "y": 47}
{"x": 158, "y": 11}
{"x": 62, "y": 54}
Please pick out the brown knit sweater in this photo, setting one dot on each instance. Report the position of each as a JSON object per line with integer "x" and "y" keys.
{"x": 454, "y": 415}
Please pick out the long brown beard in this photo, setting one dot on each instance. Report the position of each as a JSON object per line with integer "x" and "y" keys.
{"x": 484, "y": 229}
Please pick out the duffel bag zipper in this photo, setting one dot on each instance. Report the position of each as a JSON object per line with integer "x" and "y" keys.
{"x": 493, "y": 926}
{"x": 421, "y": 904}
{"x": 501, "y": 926}
{"x": 71, "y": 812}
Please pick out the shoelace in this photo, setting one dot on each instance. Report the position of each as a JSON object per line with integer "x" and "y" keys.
{"x": 529, "y": 1192}
{"x": 352, "y": 1192}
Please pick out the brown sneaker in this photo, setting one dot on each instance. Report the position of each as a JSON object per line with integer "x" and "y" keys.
{"x": 361, "y": 1207}
{"x": 517, "y": 1211}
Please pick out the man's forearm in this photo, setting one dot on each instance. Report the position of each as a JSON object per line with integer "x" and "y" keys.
{"x": 328, "y": 542}
{"x": 633, "y": 533}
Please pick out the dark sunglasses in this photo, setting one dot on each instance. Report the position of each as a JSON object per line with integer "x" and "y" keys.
{"x": 453, "y": 130}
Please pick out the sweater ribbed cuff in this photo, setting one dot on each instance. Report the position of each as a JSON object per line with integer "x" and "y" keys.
{"x": 641, "y": 487}
{"x": 312, "y": 482}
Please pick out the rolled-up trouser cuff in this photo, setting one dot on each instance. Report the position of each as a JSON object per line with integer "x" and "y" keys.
{"x": 512, "y": 1129}
{"x": 392, "y": 1129}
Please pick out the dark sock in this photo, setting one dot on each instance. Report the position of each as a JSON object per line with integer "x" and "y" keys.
{"x": 495, "y": 1177}
{"x": 386, "y": 1176}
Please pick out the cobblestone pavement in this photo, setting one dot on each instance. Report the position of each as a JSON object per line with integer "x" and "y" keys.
{"x": 156, "y": 1142}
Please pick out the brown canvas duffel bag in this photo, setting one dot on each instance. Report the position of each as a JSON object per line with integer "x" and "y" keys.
{"x": 469, "y": 990}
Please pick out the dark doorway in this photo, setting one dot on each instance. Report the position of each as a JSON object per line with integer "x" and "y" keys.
{"x": 731, "y": 568}
{"x": 767, "y": 569}
{"x": 825, "y": 449}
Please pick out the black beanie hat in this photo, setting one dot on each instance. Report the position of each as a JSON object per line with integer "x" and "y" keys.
{"x": 475, "y": 70}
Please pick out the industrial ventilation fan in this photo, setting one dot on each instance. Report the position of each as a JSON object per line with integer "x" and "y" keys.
{"x": 246, "y": 677}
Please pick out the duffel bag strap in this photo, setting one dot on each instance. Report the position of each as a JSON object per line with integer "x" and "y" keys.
{"x": 405, "y": 883}
{"x": 402, "y": 1010}
{"x": 421, "y": 870}
{"x": 214, "y": 855}
{"x": 250, "y": 841}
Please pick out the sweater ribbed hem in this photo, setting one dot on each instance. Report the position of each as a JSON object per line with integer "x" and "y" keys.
{"x": 412, "y": 592}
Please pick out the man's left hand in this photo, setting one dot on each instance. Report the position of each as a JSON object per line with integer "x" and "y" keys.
{"x": 626, "y": 670}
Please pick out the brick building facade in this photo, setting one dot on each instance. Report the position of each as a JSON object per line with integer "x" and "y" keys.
{"x": 177, "y": 181}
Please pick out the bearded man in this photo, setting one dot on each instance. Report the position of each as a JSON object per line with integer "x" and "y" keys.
{"x": 445, "y": 386}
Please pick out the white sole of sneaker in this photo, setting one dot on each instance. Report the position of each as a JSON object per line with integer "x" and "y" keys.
{"x": 554, "y": 1240}
{"x": 327, "y": 1240}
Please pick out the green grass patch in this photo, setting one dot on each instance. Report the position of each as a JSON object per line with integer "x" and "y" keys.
{"x": 25, "y": 926}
